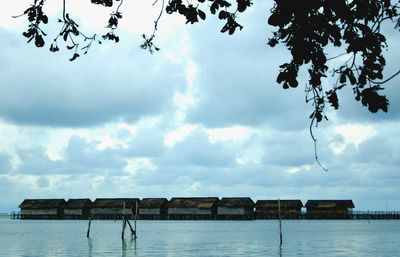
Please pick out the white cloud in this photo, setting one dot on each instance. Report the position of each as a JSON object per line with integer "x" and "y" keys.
{"x": 352, "y": 134}
{"x": 139, "y": 164}
{"x": 235, "y": 133}
{"x": 178, "y": 135}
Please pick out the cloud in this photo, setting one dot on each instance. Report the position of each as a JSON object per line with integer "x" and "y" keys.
{"x": 237, "y": 76}
{"x": 104, "y": 86}
{"x": 42, "y": 182}
{"x": 5, "y": 163}
{"x": 197, "y": 150}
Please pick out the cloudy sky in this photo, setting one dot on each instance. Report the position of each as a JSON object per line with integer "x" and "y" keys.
{"x": 202, "y": 117}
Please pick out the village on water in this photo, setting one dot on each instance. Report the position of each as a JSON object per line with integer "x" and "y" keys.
{"x": 192, "y": 208}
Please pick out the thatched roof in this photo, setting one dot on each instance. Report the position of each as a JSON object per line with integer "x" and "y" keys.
{"x": 78, "y": 203}
{"x": 236, "y": 202}
{"x": 193, "y": 202}
{"x": 115, "y": 203}
{"x": 312, "y": 204}
{"x": 273, "y": 204}
{"x": 151, "y": 203}
{"x": 42, "y": 204}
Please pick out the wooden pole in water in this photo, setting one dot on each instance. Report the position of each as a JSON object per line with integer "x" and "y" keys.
{"x": 369, "y": 218}
{"x": 123, "y": 220}
{"x": 136, "y": 210}
{"x": 280, "y": 221}
{"x": 88, "y": 229}
{"x": 133, "y": 233}
{"x": 123, "y": 228}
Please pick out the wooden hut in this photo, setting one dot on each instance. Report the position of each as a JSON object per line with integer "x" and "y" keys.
{"x": 269, "y": 209}
{"x": 114, "y": 208}
{"x": 153, "y": 208}
{"x": 42, "y": 208}
{"x": 235, "y": 208}
{"x": 77, "y": 208}
{"x": 193, "y": 208}
{"x": 329, "y": 209}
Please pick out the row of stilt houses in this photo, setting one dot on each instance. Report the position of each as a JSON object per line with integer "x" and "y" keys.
{"x": 184, "y": 208}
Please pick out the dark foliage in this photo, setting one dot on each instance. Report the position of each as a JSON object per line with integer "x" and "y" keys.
{"x": 308, "y": 27}
{"x": 35, "y": 17}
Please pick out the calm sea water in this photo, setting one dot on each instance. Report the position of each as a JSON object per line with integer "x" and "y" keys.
{"x": 201, "y": 238}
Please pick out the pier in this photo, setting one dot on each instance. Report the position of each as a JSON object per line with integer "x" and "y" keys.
{"x": 356, "y": 215}
{"x": 194, "y": 208}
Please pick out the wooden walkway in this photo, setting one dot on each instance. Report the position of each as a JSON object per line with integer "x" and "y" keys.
{"x": 356, "y": 215}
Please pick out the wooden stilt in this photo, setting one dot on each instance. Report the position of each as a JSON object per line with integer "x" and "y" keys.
{"x": 123, "y": 228}
{"x": 280, "y": 221}
{"x": 369, "y": 218}
{"x": 123, "y": 221}
{"x": 133, "y": 232}
{"x": 136, "y": 211}
{"x": 88, "y": 229}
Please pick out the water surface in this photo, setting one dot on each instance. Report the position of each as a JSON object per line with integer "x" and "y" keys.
{"x": 201, "y": 238}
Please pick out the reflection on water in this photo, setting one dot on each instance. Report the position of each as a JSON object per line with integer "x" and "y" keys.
{"x": 129, "y": 245}
{"x": 90, "y": 247}
{"x": 200, "y": 238}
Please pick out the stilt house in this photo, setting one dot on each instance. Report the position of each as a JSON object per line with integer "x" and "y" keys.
{"x": 153, "y": 208}
{"x": 77, "y": 208}
{"x": 269, "y": 209}
{"x": 42, "y": 208}
{"x": 235, "y": 208}
{"x": 329, "y": 209}
{"x": 193, "y": 208}
{"x": 114, "y": 208}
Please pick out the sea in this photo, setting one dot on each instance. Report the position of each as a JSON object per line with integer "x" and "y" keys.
{"x": 200, "y": 238}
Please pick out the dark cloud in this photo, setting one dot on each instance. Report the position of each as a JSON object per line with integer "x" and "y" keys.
{"x": 147, "y": 142}
{"x": 196, "y": 150}
{"x": 5, "y": 163}
{"x": 42, "y": 182}
{"x": 237, "y": 77}
{"x": 289, "y": 149}
{"x": 100, "y": 87}
{"x": 35, "y": 161}
{"x": 80, "y": 157}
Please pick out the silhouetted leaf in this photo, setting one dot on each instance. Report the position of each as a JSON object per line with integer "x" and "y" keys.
{"x": 39, "y": 42}
{"x": 76, "y": 55}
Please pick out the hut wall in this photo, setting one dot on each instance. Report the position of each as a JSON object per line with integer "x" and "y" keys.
{"x": 276, "y": 211}
{"x": 72, "y": 211}
{"x": 110, "y": 211}
{"x": 184, "y": 211}
{"x": 234, "y": 211}
{"x": 39, "y": 211}
{"x": 152, "y": 211}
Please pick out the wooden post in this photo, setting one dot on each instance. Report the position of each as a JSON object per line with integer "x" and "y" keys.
{"x": 88, "y": 229}
{"x": 280, "y": 221}
{"x": 123, "y": 228}
{"x": 369, "y": 218}
{"x": 133, "y": 232}
{"x": 123, "y": 220}
{"x": 136, "y": 210}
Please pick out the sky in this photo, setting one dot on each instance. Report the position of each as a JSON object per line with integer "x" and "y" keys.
{"x": 204, "y": 116}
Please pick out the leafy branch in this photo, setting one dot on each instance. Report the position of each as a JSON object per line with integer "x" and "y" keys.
{"x": 35, "y": 17}
{"x": 70, "y": 31}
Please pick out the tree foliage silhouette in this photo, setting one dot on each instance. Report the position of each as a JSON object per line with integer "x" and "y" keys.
{"x": 306, "y": 28}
